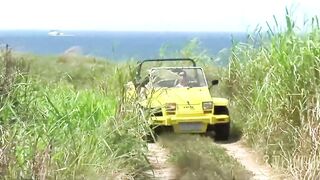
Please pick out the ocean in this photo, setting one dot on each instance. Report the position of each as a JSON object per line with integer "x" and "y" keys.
{"x": 116, "y": 45}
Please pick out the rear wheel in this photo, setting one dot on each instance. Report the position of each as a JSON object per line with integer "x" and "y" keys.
{"x": 222, "y": 131}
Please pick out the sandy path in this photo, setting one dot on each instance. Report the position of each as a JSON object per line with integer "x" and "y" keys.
{"x": 158, "y": 157}
{"x": 249, "y": 159}
{"x": 162, "y": 170}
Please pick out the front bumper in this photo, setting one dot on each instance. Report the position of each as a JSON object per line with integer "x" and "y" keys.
{"x": 189, "y": 124}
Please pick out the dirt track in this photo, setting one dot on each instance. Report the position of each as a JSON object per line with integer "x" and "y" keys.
{"x": 158, "y": 157}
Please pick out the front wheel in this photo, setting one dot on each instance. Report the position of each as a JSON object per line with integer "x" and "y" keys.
{"x": 222, "y": 131}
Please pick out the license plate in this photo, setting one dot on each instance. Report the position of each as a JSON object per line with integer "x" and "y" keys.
{"x": 190, "y": 126}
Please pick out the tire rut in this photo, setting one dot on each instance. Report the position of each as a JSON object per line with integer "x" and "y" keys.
{"x": 158, "y": 158}
{"x": 249, "y": 159}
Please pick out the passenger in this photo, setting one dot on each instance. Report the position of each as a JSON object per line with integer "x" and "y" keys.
{"x": 182, "y": 80}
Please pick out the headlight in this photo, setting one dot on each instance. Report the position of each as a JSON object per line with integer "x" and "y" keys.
{"x": 207, "y": 105}
{"x": 171, "y": 106}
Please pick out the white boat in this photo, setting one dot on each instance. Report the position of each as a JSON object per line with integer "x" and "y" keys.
{"x": 55, "y": 33}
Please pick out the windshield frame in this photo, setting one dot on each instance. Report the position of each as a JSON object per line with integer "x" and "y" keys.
{"x": 140, "y": 63}
{"x": 201, "y": 69}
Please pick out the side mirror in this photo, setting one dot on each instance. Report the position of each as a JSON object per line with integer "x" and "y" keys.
{"x": 214, "y": 82}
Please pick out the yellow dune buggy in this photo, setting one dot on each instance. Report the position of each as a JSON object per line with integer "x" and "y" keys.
{"x": 178, "y": 98}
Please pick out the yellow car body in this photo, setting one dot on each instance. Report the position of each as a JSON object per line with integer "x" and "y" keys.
{"x": 189, "y": 109}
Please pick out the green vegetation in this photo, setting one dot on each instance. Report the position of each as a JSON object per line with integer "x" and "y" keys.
{"x": 65, "y": 117}
{"x": 59, "y": 119}
{"x": 274, "y": 82}
{"x": 197, "y": 157}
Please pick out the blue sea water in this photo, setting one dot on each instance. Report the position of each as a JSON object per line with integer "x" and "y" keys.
{"x": 115, "y": 45}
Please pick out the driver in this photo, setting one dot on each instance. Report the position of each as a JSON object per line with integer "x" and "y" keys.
{"x": 182, "y": 79}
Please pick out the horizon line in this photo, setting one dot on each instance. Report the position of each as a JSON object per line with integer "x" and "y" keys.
{"x": 102, "y": 30}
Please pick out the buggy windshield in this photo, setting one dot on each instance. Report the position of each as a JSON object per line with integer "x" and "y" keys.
{"x": 177, "y": 77}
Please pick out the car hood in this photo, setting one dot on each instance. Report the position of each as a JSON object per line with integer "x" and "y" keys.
{"x": 195, "y": 95}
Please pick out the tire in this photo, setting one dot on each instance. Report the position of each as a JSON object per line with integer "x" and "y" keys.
{"x": 157, "y": 131}
{"x": 149, "y": 138}
{"x": 149, "y": 135}
{"x": 210, "y": 131}
{"x": 222, "y": 131}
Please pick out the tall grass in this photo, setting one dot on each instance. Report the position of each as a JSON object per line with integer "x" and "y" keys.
{"x": 67, "y": 117}
{"x": 275, "y": 90}
{"x": 53, "y": 128}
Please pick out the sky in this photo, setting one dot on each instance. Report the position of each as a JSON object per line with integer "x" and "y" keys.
{"x": 149, "y": 15}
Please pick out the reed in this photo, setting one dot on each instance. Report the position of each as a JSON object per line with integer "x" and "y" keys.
{"x": 275, "y": 92}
